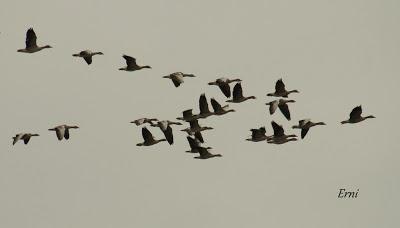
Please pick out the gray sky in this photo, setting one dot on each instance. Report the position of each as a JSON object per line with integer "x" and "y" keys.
{"x": 338, "y": 54}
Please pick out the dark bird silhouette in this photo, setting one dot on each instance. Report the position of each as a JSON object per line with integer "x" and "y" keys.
{"x": 148, "y": 138}
{"x": 279, "y": 136}
{"x": 355, "y": 116}
{"x": 204, "y": 154}
{"x": 23, "y": 136}
{"x": 177, "y": 78}
{"x": 30, "y": 43}
{"x": 258, "y": 135}
{"x": 87, "y": 55}
{"x": 280, "y": 90}
{"x": 305, "y": 125}
{"x": 131, "y": 64}
{"x": 282, "y": 105}
{"x": 238, "y": 94}
{"x": 62, "y": 131}
{"x": 218, "y": 109}
{"x": 203, "y": 106}
{"x": 223, "y": 84}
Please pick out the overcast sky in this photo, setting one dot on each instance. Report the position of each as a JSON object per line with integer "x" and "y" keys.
{"x": 338, "y": 54}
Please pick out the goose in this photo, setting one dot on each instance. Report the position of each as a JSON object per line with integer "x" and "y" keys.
{"x": 23, "y": 136}
{"x": 195, "y": 127}
{"x": 280, "y": 90}
{"x": 305, "y": 125}
{"x": 131, "y": 64}
{"x": 355, "y": 116}
{"x": 30, "y": 43}
{"x": 203, "y": 106}
{"x": 165, "y": 127}
{"x": 238, "y": 94}
{"x": 177, "y": 77}
{"x": 218, "y": 109}
{"x": 62, "y": 131}
{"x": 194, "y": 145}
{"x": 258, "y": 135}
{"x": 204, "y": 154}
{"x": 188, "y": 116}
{"x": 87, "y": 55}
{"x": 282, "y": 140}
{"x": 223, "y": 84}
{"x": 279, "y": 134}
{"x": 282, "y": 105}
{"x": 143, "y": 121}
{"x": 148, "y": 138}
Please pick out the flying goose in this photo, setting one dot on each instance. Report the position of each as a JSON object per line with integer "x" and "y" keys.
{"x": 203, "y": 106}
{"x": 165, "y": 127}
{"x": 281, "y": 140}
{"x": 131, "y": 64}
{"x": 305, "y": 125}
{"x": 30, "y": 43}
{"x": 23, "y": 136}
{"x": 187, "y": 115}
{"x": 177, "y": 77}
{"x": 280, "y": 90}
{"x": 238, "y": 94}
{"x": 282, "y": 105}
{"x": 195, "y": 127}
{"x": 194, "y": 145}
{"x": 143, "y": 121}
{"x": 204, "y": 154}
{"x": 355, "y": 116}
{"x": 87, "y": 55}
{"x": 62, "y": 131}
{"x": 279, "y": 136}
{"x": 258, "y": 135}
{"x": 223, "y": 84}
{"x": 218, "y": 109}
{"x": 148, "y": 138}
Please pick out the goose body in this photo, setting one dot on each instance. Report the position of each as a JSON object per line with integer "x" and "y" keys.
{"x": 355, "y": 116}
{"x": 305, "y": 126}
{"x": 204, "y": 154}
{"x": 280, "y": 90}
{"x": 195, "y": 127}
{"x": 24, "y": 137}
{"x": 30, "y": 43}
{"x": 218, "y": 109}
{"x": 282, "y": 105}
{"x": 194, "y": 144}
{"x": 87, "y": 55}
{"x": 143, "y": 121}
{"x": 148, "y": 138}
{"x": 165, "y": 127}
{"x": 177, "y": 78}
{"x": 131, "y": 64}
{"x": 62, "y": 131}
{"x": 223, "y": 84}
{"x": 238, "y": 94}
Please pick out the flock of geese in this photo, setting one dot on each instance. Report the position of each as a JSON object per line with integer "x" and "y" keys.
{"x": 194, "y": 130}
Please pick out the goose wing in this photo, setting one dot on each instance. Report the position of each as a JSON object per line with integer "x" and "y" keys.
{"x": 302, "y": 123}
{"x": 187, "y": 113}
{"x": 194, "y": 124}
{"x": 278, "y": 129}
{"x": 237, "y": 91}
{"x": 130, "y": 61}
{"x": 66, "y": 133}
{"x": 169, "y": 135}
{"x": 26, "y": 138}
{"x": 216, "y": 106}
{"x": 147, "y": 136}
{"x": 17, "y": 137}
{"x": 273, "y": 106}
{"x": 88, "y": 59}
{"x": 280, "y": 86}
{"x": 225, "y": 88}
{"x": 60, "y": 131}
{"x": 192, "y": 142}
{"x": 199, "y": 136}
{"x": 203, "y": 104}
{"x": 203, "y": 152}
{"x": 30, "y": 41}
{"x": 304, "y": 132}
{"x": 356, "y": 112}
{"x": 285, "y": 110}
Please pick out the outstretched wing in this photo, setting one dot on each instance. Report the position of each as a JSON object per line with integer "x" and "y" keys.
{"x": 26, "y": 139}
{"x": 168, "y": 135}
{"x": 216, "y": 106}
{"x": 60, "y": 131}
{"x": 273, "y": 106}
{"x": 278, "y": 129}
{"x": 30, "y": 41}
{"x": 237, "y": 91}
{"x": 66, "y": 134}
{"x": 280, "y": 86}
{"x": 304, "y": 132}
{"x": 203, "y": 104}
{"x": 225, "y": 88}
{"x": 285, "y": 110}
{"x": 192, "y": 142}
{"x": 147, "y": 136}
{"x": 88, "y": 59}
{"x": 199, "y": 136}
{"x": 130, "y": 61}
{"x": 356, "y": 112}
